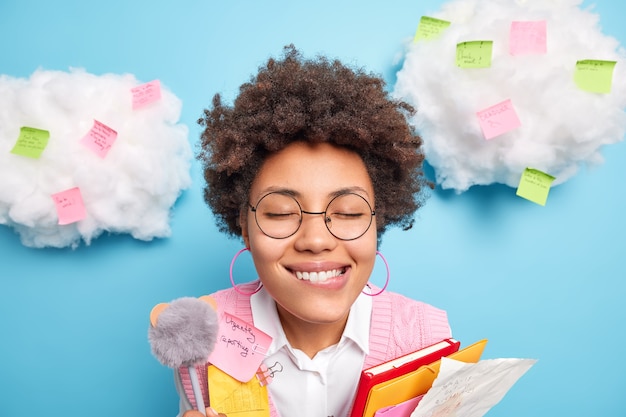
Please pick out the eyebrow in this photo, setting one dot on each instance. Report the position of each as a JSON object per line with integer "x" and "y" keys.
{"x": 291, "y": 192}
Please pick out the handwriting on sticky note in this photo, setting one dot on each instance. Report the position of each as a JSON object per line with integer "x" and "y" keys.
{"x": 528, "y": 37}
{"x": 145, "y": 94}
{"x": 31, "y": 142}
{"x": 69, "y": 205}
{"x": 235, "y": 398}
{"x": 498, "y": 119}
{"x": 430, "y": 28}
{"x": 474, "y": 54}
{"x": 595, "y": 76}
{"x": 99, "y": 139}
{"x": 535, "y": 186}
{"x": 240, "y": 348}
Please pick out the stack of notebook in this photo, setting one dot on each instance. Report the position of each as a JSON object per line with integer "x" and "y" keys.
{"x": 395, "y": 387}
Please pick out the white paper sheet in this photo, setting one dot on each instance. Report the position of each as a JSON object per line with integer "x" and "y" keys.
{"x": 470, "y": 389}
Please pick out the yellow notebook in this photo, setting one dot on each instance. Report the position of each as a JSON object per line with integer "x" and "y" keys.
{"x": 416, "y": 383}
{"x": 235, "y": 398}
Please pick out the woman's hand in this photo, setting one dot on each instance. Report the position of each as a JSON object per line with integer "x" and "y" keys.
{"x": 209, "y": 413}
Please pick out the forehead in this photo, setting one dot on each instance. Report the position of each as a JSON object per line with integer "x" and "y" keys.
{"x": 313, "y": 171}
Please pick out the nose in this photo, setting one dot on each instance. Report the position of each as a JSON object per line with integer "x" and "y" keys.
{"x": 314, "y": 235}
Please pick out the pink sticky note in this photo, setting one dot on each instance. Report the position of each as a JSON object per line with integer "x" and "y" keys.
{"x": 404, "y": 409}
{"x": 528, "y": 37}
{"x": 240, "y": 348}
{"x": 70, "y": 207}
{"x": 99, "y": 139}
{"x": 145, "y": 94}
{"x": 499, "y": 119}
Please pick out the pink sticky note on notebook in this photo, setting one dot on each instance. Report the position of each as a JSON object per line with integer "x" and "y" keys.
{"x": 99, "y": 139}
{"x": 404, "y": 409}
{"x": 498, "y": 119}
{"x": 528, "y": 37}
{"x": 69, "y": 205}
{"x": 145, "y": 94}
{"x": 240, "y": 348}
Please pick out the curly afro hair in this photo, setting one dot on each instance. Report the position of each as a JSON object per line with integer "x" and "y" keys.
{"x": 317, "y": 100}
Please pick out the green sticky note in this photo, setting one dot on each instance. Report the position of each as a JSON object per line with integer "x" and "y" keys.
{"x": 594, "y": 76}
{"x": 430, "y": 28}
{"x": 31, "y": 142}
{"x": 474, "y": 54}
{"x": 535, "y": 186}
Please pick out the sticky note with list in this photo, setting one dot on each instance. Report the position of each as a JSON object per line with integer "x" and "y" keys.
{"x": 534, "y": 186}
{"x": 31, "y": 142}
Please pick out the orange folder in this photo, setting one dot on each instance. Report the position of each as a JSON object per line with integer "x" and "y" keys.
{"x": 416, "y": 383}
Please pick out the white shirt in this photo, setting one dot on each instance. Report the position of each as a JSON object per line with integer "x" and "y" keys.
{"x": 325, "y": 385}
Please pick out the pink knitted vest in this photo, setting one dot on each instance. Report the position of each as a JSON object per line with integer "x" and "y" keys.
{"x": 399, "y": 325}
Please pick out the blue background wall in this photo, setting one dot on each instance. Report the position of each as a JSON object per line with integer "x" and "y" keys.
{"x": 540, "y": 282}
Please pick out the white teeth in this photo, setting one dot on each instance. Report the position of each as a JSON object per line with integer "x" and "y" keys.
{"x": 318, "y": 276}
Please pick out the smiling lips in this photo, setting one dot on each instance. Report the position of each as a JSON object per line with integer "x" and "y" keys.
{"x": 320, "y": 276}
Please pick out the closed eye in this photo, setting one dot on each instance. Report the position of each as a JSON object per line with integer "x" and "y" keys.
{"x": 278, "y": 216}
{"x": 347, "y": 215}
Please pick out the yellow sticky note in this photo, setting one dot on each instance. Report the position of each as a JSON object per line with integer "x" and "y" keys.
{"x": 237, "y": 399}
{"x": 474, "y": 54}
{"x": 31, "y": 142}
{"x": 535, "y": 186}
{"x": 429, "y": 28}
{"x": 594, "y": 76}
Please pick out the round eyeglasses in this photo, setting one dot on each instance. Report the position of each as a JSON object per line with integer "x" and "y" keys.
{"x": 279, "y": 215}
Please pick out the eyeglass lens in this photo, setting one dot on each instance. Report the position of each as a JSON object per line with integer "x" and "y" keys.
{"x": 347, "y": 217}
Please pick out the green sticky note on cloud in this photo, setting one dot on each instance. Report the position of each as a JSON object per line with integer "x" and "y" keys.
{"x": 595, "y": 76}
{"x": 31, "y": 142}
{"x": 430, "y": 28}
{"x": 474, "y": 54}
{"x": 535, "y": 186}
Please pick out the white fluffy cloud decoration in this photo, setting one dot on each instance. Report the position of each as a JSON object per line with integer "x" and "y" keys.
{"x": 563, "y": 127}
{"x": 131, "y": 189}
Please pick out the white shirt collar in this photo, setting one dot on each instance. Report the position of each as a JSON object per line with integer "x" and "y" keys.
{"x": 266, "y": 319}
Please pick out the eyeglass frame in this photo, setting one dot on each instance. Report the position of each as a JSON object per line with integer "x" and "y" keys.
{"x": 327, "y": 219}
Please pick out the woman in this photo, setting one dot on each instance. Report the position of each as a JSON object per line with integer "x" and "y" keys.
{"x": 309, "y": 167}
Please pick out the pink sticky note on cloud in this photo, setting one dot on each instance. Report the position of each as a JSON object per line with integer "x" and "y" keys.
{"x": 146, "y": 94}
{"x": 240, "y": 348}
{"x": 498, "y": 119}
{"x": 528, "y": 37}
{"x": 69, "y": 205}
{"x": 99, "y": 139}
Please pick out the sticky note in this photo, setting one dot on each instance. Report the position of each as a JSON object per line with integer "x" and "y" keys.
{"x": 145, "y": 94}
{"x": 429, "y": 28}
{"x": 595, "y": 76}
{"x": 498, "y": 119}
{"x": 31, "y": 142}
{"x": 474, "y": 54}
{"x": 99, "y": 139}
{"x": 69, "y": 205}
{"x": 528, "y": 37}
{"x": 535, "y": 186}
{"x": 236, "y": 398}
{"x": 240, "y": 347}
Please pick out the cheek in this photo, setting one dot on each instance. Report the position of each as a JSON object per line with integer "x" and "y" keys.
{"x": 363, "y": 250}
{"x": 266, "y": 252}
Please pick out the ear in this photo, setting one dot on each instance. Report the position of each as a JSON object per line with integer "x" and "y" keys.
{"x": 156, "y": 311}
{"x": 243, "y": 223}
{"x": 159, "y": 308}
